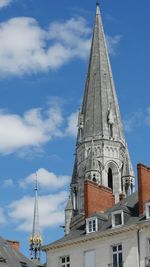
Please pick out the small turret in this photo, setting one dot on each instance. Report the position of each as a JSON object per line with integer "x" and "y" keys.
{"x": 128, "y": 179}
{"x": 68, "y": 215}
{"x": 93, "y": 168}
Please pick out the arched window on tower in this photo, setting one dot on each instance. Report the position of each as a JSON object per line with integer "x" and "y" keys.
{"x": 110, "y": 178}
{"x": 94, "y": 177}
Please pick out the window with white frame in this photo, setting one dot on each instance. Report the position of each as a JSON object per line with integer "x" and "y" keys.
{"x": 117, "y": 256}
{"x": 147, "y": 207}
{"x": 91, "y": 225}
{"x": 117, "y": 218}
{"x": 65, "y": 261}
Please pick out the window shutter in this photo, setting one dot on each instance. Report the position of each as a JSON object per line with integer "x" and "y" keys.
{"x": 89, "y": 258}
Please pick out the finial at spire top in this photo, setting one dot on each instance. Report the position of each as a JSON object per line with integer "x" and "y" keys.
{"x": 97, "y": 2}
{"x": 36, "y": 182}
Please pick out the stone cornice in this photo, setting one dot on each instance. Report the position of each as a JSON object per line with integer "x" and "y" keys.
{"x": 98, "y": 235}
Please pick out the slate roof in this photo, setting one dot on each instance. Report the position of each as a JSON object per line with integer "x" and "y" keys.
{"x": 10, "y": 257}
{"x": 130, "y": 209}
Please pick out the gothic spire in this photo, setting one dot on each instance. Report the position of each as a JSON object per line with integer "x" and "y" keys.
{"x": 35, "y": 239}
{"x": 100, "y": 110}
{"x": 101, "y": 152}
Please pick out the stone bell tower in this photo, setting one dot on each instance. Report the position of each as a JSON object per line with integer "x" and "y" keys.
{"x": 101, "y": 152}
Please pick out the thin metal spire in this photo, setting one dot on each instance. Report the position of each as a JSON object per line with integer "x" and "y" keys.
{"x": 35, "y": 239}
{"x": 36, "y": 183}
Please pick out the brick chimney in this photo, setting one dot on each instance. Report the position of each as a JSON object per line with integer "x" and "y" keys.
{"x": 97, "y": 198}
{"x": 143, "y": 186}
{"x": 14, "y": 244}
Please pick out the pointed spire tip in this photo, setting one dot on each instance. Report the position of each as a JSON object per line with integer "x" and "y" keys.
{"x": 97, "y": 8}
{"x": 36, "y": 182}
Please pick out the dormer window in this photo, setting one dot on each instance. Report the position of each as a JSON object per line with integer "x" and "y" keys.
{"x": 91, "y": 225}
{"x": 117, "y": 219}
{"x": 147, "y": 206}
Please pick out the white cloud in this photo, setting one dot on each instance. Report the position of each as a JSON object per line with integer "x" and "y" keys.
{"x": 71, "y": 129}
{"x": 4, "y": 3}
{"x": 27, "y": 48}
{"x": 8, "y": 183}
{"x": 46, "y": 180}
{"x": 112, "y": 42}
{"x": 51, "y": 211}
{"x": 33, "y": 129}
{"x": 73, "y": 34}
{"x": 27, "y": 134}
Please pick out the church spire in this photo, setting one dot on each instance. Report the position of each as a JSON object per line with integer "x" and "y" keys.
{"x": 100, "y": 101}
{"x": 101, "y": 152}
{"x": 35, "y": 239}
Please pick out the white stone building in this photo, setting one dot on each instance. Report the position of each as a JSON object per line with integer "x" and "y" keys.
{"x": 106, "y": 222}
{"x": 118, "y": 237}
{"x": 111, "y": 248}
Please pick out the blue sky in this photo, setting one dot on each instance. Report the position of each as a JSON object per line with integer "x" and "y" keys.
{"x": 44, "y": 47}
